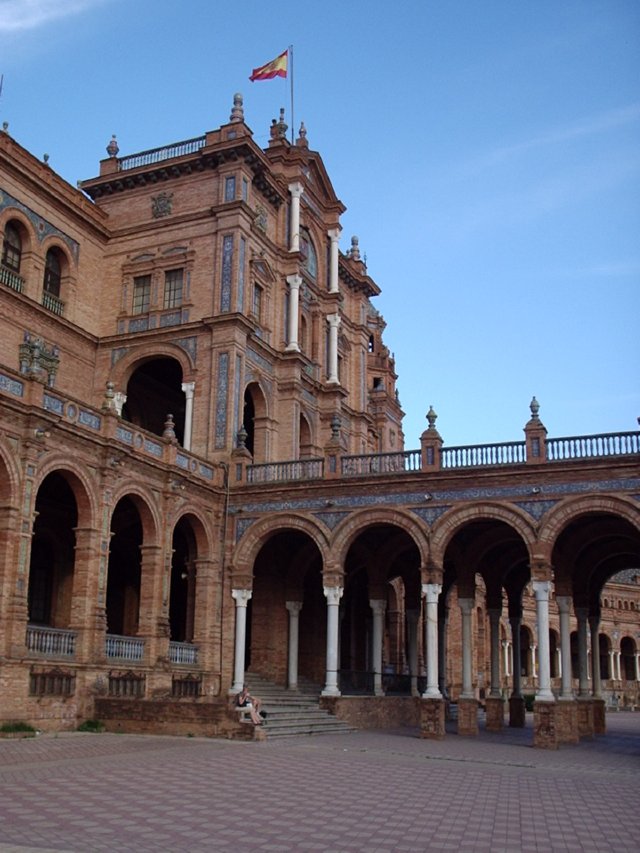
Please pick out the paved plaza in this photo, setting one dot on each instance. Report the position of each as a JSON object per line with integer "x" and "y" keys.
{"x": 367, "y": 791}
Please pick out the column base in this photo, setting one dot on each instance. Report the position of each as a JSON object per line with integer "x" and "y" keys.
{"x": 545, "y": 729}
{"x": 468, "y": 717}
{"x": 432, "y": 718}
{"x": 567, "y": 721}
{"x": 585, "y": 717}
{"x": 517, "y": 712}
{"x": 599, "y": 722}
{"x": 495, "y": 713}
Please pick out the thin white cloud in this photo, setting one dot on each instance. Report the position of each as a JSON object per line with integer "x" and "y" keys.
{"x": 23, "y": 15}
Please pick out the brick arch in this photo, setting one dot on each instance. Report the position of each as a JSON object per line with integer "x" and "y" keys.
{"x": 358, "y": 522}
{"x": 27, "y": 232}
{"x": 246, "y": 552}
{"x": 10, "y": 476}
{"x": 52, "y": 241}
{"x": 83, "y": 488}
{"x": 201, "y": 533}
{"x": 445, "y": 528}
{"x": 150, "y": 514}
{"x": 570, "y": 509}
{"x": 126, "y": 366}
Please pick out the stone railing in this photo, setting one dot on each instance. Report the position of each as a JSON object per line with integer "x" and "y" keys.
{"x": 183, "y": 653}
{"x": 157, "y": 155}
{"x": 124, "y": 648}
{"x": 593, "y": 446}
{"x": 51, "y": 641}
{"x": 484, "y": 455}
{"x": 11, "y": 279}
{"x": 298, "y": 469}
{"x": 363, "y": 465}
{"x": 53, "y": 303}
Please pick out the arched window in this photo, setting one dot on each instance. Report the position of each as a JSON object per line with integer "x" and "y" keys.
{"x": 52, "y": 273}
{"x": 11, "y": 248}
{"x": 309, "y": 256}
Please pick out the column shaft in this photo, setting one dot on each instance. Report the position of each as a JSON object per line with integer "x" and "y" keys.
{"x": 564, "y": 609}
{"x": 333, "y": 594}
{"x": 494, "y": 624}
{"x": 378, "y": 606}
{"x": 294, "y": 608}
{"x": 188, "y": 388}
{"x": 466, "y": 609}
{"x": 541, "y": 590}
{"x": 241, "y": 597}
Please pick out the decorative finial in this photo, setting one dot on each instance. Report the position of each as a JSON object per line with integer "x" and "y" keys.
{"x": 335, "y": 427}
{"x": 112, "y": 147}
{"x": 237, "y": 113}
{"x": 241, "y": 438}
{"x": 301, "y": 141}
{"x": 432, "y": 417}
{"x": 534, "y": 405}
{"x": 45, "y": 157}
{"x": 281, "y": 126}
{"x": 109, "y": 398}
{"x": 354, "y": 252}
{"x": 169, "y": 430}
{"x": 5, "y": 126}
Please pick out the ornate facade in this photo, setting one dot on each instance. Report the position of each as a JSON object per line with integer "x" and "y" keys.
{"x": 203, "y": 473}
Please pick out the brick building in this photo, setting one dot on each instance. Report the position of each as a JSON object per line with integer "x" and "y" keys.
{"x": 203, "y": 473}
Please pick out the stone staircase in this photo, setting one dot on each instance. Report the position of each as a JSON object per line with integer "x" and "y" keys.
{"x": 293, "y": 713}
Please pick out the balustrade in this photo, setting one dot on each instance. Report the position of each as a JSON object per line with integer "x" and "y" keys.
{"x": 593, "y": 446}
{"x": 157, "y": 155}
{"x": 484, "y": 455}
{"x": 51, "y": 641}
{"x": 53, "y": 303}
{"x": 365, "y": 464}
{"x": 11, "y": 279}
{"x": 124, "y": 648}
{"x": 183, "y": 653}
{"x": 298, "y": 469}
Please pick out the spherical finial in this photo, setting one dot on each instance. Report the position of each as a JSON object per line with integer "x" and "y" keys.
{"x": 355, "y": 249}
{"x": 112, "y": 147}
{"x": 237, "y": 112}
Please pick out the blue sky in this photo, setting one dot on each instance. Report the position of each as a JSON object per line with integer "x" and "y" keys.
{"x": 488, "y": 154}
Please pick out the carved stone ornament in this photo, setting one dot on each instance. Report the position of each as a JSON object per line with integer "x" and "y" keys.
{"x": 260, "y": 219}
{"x": 39, "y": 359}
{"x": 161, "y": 205}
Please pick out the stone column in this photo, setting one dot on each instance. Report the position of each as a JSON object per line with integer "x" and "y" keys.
{"x": 442, "y": 652}
{"x": 636, "y": 658}
{"x": 334, "y": 236}
{"x": 334, "y": 322}
{"x": 294, "y": 225}
{"x": 294, "y": 282}
{"x": 294, "y": 608}
{"x": 567, "y": 710}
{"x": 564, "y": 610}
{"x": 467, "y": 704}
{"x": 494, "y": 703}
{"x": 378, "y": 606}
{"x": 431, "y": 592}
{"x": 241, "y": 597}
{"x": 541, "y": 590}
{"x": 619, "y": 665}
{"x": 412, "y": 616}
{"x": 596, "y": 682}
{"x": 333, "y": 594}
{"x": 516, "y": 700}
{"x": 153, "y": 622}
{"x": 188, "y": 388}
{"x": 585, "y": 707}
{"x": 505, "y": 658}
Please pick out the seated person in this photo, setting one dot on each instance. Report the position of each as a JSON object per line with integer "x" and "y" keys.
{"x": 245, "y": 700}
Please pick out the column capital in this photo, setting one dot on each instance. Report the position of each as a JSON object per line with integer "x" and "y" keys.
{"x": 334, "y": 320}
{"x": 296, "y": 189}
{"x": 466, "y": 605}
{"x": 378, "y": 605}
{"x": 494, "y": 612}
{"x": 188, "y": 388}
{"x": 541, "y": 590}
{"x": 333, "y": 594}
{"x": 294, "y": 607}
{"x": 564, "y": 603}
{"x": 431, "y": 592}
{"x": 334, "y": 234}
{"x": 294, "y": 281}
{"x": 241, "y": 596}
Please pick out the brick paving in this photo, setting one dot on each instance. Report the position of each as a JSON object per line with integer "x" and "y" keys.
{"x": 366, "y": 791}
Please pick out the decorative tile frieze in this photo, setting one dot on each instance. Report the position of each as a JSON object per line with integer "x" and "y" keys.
{"x": 189, "y": 345}
{"x": 52, "y": 404}
{"x": 227, "y": 267}
{"x": 536, "y": 509}
{"x": 331, "y": 519}
{"x": 259, "y": 360}
{"x": 221, "y": 401}
{"x": 11, "y": 386}
{"x": 429, "y": 514}
{"x": 242, "y": 525}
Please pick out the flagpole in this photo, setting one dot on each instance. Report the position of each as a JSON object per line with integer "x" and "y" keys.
{"x": 292, "y": 114}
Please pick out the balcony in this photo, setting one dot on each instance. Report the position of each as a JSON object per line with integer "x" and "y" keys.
{"x": 53, "y": 303}
{"x": 51, "y": 642}
{"x": 124, "y": 648}
{"x": 11, "y": 279}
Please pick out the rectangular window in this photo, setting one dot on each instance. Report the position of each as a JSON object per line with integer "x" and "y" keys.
{"x": 173, "y": 288}
{"x": 230, "y": 189}
{"x": 141, "y": 293}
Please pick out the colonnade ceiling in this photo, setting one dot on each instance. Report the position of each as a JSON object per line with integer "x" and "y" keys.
{"x": 288, "y": 555}
{"x": 386, "y": 552}
{"x": 593, "y": 548}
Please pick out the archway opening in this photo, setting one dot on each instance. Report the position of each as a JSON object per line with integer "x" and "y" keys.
{"x": 154, "y": 391}
{"x": 125, "y": 569}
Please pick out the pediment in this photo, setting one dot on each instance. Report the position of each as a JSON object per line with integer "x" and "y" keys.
{"x": 261, "y": 268}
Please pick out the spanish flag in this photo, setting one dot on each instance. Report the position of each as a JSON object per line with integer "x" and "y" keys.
{"x": 276, "y": 68}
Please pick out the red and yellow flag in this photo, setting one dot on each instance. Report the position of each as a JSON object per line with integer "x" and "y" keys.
{"x": 276, "y": 68}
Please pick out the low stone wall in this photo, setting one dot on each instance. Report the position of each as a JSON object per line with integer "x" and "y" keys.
{"x": 215, "y": 718}
{"x": 374, "y": 712}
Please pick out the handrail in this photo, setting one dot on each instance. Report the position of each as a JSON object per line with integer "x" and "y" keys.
{"x": 51, "y": 641}
{"x": 593, "y": 446}
{"x": 484, "y": 455}
{"x": 157, "y": 155}
{"x": 124, "y": 648}
{"x": 182, "y": 653}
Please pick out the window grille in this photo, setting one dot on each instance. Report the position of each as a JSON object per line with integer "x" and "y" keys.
{"x": 53, "y": 682}
{"x": 126, "y": 684}
{"x": 188, "y": 686}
